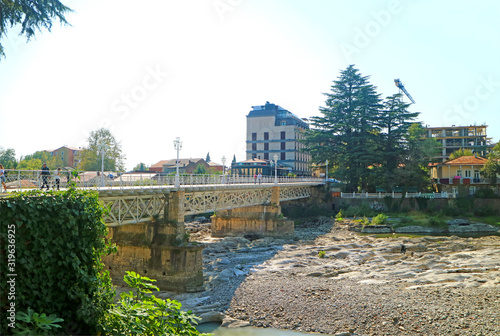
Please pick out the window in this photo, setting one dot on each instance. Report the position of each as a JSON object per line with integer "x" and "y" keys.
{"x": 459, "y": 173}
{"x": 266, "y": 135}
{"x": 283, "y": 145}
{"x": 266, "y": 146}
{"x": 467, "y": 173}
{"x": 283, "y": 156}
{"x": 477, "y": 174}
{"x": 266, "y": 156}
{"x": 283, "y": 135}
{"x": 254, "y": 147}
{"x": 254, "y": 136}
{"x": 472, "y": 190}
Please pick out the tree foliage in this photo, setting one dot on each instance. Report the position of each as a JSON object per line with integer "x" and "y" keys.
{"x": 32, "y": 15}
{"x": 34, "y": 161}
{"x": 367, "y": 141}
{"x": 461, "y": 152}
{"x": 346, "y": 133}
{"x": 59, "y": 239}
{"x": 8, "y": 158}
{"x": 141, "y": 167}
{"x": 491, "y": 169}
{"x": 91, "y": 157}
{"x": 138, "y": 312}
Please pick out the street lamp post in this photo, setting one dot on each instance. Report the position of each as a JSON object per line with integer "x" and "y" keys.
{"x": 224, "y": 165}
{"x": 178, "y": 147}
{"x": 326, "y": 170}
{"x": 275, "y": 157}
{"x": 102, "y": 147}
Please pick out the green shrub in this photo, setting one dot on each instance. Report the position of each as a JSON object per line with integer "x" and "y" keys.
{"x": 379, "y": 219}
{"x": 140, "y": 313}
{"x": 59, "y": 238}
{"x": 321, "y": 254}
{"x": 32, "y": 323}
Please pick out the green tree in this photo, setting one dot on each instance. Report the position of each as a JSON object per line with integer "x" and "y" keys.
{"x": 200, "y": 170}
{"x": 8, "y": 158}
{"x": 32, "y": 15}
{"x": 208, "y": 158}
{"x": 395, "y": 121}
{"x": 492, "y": 167}
{"x": 141, "y": 167}
{"x": 461, "y": 152}
{"x": 92, "y": 155}
{"x": 347, "y": 132}
{"x": 414, "y": 170}
{"x": 34, "y": 161}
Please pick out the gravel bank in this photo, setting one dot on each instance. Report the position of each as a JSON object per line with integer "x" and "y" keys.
{"x": 365, "y": 286}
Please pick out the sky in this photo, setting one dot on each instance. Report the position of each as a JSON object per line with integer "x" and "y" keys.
{"x": 153, "y": 70}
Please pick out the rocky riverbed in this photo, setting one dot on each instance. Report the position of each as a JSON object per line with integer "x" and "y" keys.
{"x": 361, "y": 285}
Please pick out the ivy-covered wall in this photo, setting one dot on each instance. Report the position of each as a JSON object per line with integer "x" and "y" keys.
{"x": 50, "y": 259}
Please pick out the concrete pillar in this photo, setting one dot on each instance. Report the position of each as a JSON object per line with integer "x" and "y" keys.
{"x": 175, "y": 213}
{"x": 275, "y": 195}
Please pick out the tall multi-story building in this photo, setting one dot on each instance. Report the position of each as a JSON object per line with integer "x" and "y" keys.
{"x": 455, "y": 137}
{"x": 272, "y": 130}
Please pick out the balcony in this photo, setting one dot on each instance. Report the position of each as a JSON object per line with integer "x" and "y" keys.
{"x": 461, "y": 180}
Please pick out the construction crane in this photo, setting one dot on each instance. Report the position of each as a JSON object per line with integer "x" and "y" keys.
{"x": 402, "y": 88}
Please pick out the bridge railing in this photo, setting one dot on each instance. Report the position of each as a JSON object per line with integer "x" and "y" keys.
{"x": 33, "y": 179}
{"x": 398, "y": 195}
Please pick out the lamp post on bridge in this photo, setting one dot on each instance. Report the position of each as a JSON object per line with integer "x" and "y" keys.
{"x": 102, "y": 148}
{"x": 178, "y": 147}
{"x": 275, "y": 157}
{"x": 223, "y": 165}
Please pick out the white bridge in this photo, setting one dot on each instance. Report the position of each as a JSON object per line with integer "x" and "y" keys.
{"x": 141, "y": 197}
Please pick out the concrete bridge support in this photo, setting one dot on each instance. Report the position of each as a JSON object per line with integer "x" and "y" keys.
{"x": 258, "y": 220}
{"x": 158, "y": 250}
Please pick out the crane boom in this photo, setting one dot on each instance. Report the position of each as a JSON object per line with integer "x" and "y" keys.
{"x": 400, "y": 85}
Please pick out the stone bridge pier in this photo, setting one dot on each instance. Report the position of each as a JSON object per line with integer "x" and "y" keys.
{"x": 257, "y": 220}
{"x": 158, "y": 249}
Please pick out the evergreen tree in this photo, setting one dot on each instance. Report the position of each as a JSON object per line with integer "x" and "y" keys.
{"x": 32, "y": 15}
{"x": 414, "y": 170}
{"x": 346, "y": 133}
{"x": 394, "y": 122}
{"x": 208, "y": 158}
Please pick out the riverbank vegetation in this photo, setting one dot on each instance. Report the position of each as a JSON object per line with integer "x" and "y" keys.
{"x": 51, "y": 249}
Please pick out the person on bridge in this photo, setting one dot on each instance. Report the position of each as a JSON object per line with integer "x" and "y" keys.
{"x": 45, "y": 174}
{"x": 2, "y": 177}
{"x": 57, "y": 178}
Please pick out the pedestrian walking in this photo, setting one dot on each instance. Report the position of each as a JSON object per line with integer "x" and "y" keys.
{"x": 2, "y": 177}
{"x": 45, "y": 175}
{"x": 259, "y": 177}
{"x": 57, "y": 178}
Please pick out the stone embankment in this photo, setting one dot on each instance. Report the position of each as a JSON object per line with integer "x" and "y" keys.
{"x": 361, "y": 285}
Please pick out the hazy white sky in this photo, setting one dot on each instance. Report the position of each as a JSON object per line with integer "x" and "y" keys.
{"x": 151, "y": 71}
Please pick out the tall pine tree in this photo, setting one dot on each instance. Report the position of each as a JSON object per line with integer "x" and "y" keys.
{"x": 394, "y": 122}
{"x": 346, "y": 134}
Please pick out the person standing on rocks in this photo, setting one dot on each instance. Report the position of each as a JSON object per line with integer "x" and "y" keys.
{"x": 403, "y": 248}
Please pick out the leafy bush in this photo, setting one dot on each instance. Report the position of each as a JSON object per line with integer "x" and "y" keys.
{"x": 32, "y": 323}
{"x": 485, "y": 192}
{"x": 379, "y": 219}
{"x": 358, "y": 211}
{"x": 321, "y": 254}
{"x": 59, "y": 239}
{"x": 140, "y": 313}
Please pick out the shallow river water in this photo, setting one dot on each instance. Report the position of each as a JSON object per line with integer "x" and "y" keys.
{"x": 248, "y": 331}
